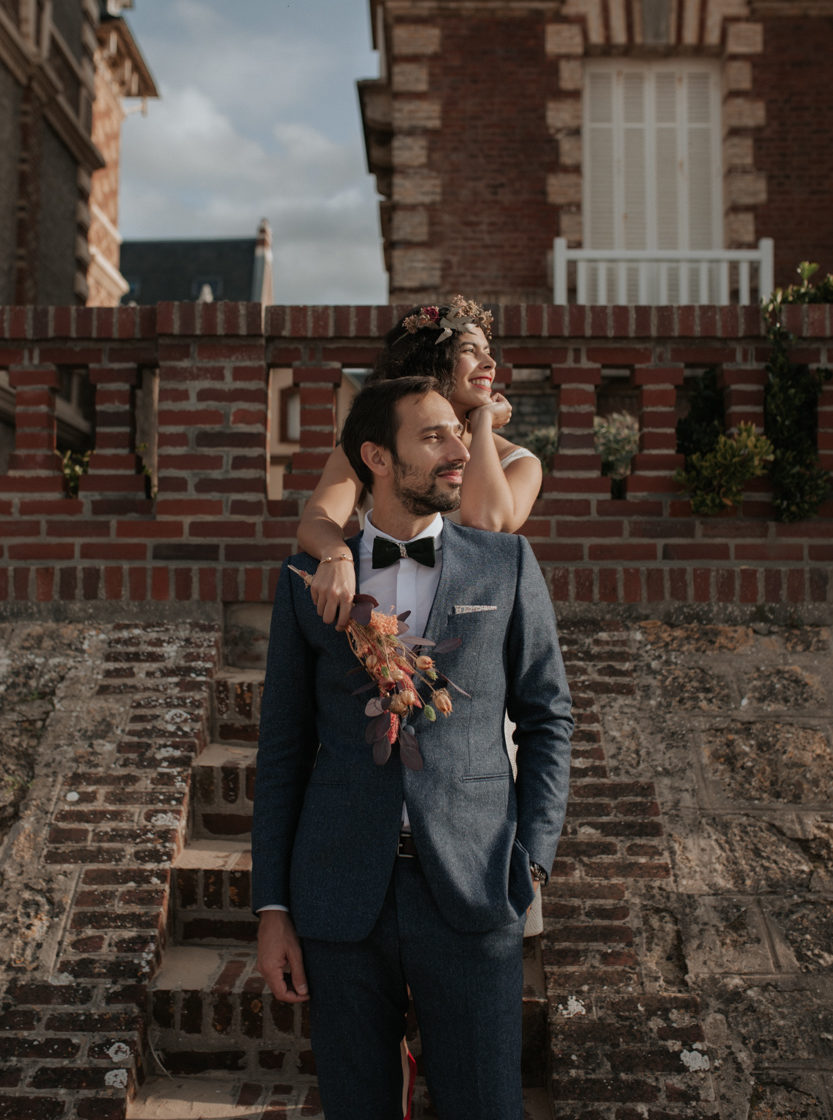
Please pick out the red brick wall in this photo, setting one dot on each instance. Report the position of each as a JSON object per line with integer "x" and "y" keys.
{"x": 211, "y": 535}
{"x": 794, "y": 149}
{"x": 495, "y": 225}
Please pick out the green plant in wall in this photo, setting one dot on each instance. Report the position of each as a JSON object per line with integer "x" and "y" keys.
{"x": 799, "y": 483}
{"x": 542, "y": 442}
{"x": 74, "y": 464}
{"x": 616, "y": 441}
{"x": 715, "y": 479}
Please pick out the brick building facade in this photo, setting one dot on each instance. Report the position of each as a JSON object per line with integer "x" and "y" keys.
{"x": 64, "y": 69}
{"x": 479, "y": 133}
{"x": 120, "y": 73}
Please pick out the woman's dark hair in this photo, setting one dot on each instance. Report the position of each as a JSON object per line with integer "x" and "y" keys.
{"x": 418, "y": 354}
{"x": 372, "y": 418}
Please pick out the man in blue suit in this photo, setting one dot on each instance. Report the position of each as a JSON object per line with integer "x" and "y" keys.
{"x": 373, "y": 879}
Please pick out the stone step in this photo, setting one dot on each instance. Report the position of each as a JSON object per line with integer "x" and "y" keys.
{"x": 212, "y": 1011}
{"x": 223, "y": 787}
{"x": 212, "y": 893}
{"x": 236, "y": 704}
{"x": 236, "y": 1098}
{"x": 226, "y": 1097}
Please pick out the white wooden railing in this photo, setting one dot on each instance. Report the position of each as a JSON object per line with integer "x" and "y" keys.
{"x": 662, "y": 276}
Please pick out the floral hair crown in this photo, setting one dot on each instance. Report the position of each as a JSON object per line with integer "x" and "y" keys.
{"x": 462, "y": 314}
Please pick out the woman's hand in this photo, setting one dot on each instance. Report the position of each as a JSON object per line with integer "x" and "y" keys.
{"x": 498, "y": 413}
{"x": 333, "y": 587}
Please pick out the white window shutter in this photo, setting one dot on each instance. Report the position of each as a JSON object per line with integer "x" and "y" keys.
{"x": 634, "y": 196}
{"x": 702, "y": 204}
{"x": 600, "y": 189}
{"x": 652, "y": 160}
{"x": 667, "y": 172}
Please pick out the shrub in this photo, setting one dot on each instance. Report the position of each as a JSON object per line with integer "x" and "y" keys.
{"x": 616, "y": 440}
{"x": 799, "y": 483}
{"x": 542, "y": 442}
{"x": 714, "y": 480}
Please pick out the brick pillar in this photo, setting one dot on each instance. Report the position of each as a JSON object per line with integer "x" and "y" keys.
{"x": 212, "y": 414}
{"x": 212, "y": 450}
{"x": 657, "y": 459}
{"x": 503, "y": 379}
{"x": 35, "y": 454}
{"x": 317, "y": 385}
{"x": 744, "y": 396}
{"x": 576, "y": 467}
{"x": 115, "y": 469}
{"x": 825, "y": 426}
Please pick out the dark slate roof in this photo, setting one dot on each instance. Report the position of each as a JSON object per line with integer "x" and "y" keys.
{"x": 177, "y": 270}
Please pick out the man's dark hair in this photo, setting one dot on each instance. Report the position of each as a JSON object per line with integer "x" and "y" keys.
{"x": 372, "y": 418}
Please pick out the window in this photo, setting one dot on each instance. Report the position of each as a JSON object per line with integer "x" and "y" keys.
{"x": 652, "y": 176}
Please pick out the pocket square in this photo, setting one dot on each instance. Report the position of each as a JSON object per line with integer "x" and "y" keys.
{"x": 472, "y": 608}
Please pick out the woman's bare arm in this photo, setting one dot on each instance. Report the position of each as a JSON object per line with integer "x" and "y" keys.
{"x": 321, "y": 534}
{"x": 491, "y": 497}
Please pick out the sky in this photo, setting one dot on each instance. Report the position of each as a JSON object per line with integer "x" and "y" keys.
{"x": 258, "y": 118}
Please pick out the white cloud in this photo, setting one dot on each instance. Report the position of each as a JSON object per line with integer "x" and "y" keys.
{"x": 251, "y": 124}
{"x": 186, "y": 139}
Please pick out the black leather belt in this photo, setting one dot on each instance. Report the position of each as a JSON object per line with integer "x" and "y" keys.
{"x": 406, "y": 847}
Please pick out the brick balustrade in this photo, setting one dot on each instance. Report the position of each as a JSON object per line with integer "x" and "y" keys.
{"x": 211, "y": 535}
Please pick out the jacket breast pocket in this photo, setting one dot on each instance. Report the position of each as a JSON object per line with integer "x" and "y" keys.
{"x": 478, "y": 631}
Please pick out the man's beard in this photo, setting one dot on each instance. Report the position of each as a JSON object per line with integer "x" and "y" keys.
{"x": 421, "y": 494}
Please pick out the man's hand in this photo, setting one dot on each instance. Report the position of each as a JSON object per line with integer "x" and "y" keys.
{"x": 279, "y": 958}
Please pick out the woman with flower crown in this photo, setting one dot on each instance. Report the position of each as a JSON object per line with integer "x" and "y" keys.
{"x": 501, "y": 481}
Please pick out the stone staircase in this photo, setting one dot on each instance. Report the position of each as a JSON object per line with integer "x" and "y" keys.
{"x": 220, "y": 1047}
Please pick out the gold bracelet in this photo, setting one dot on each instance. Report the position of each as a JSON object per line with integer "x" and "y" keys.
{"x": 330, "y": 559}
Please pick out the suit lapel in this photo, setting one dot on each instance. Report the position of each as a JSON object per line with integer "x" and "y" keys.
{"x": 452, "y": 575}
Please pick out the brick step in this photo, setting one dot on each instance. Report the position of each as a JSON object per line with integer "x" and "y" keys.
{"x": 224, "y": 778}
{"x": 238, "y": 1098}
{"x": 212, "y": 1011}
{"x": 236, "y": 695}
{"x": 212, "y": 893}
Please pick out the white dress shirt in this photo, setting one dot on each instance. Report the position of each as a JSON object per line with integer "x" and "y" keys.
{"x": 405, "y": 586}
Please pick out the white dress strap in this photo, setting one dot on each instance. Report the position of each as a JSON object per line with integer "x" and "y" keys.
{"x": 517, "y": 453}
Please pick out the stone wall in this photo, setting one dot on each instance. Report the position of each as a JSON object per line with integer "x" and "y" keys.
{"x": 688, "y": 920}
{"x": 101, "y": 724}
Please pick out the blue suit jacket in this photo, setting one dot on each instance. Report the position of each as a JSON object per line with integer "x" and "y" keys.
{"x": 327, "y": 818}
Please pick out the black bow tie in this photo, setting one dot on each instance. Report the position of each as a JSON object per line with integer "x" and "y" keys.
{"x": 387, "y": 552}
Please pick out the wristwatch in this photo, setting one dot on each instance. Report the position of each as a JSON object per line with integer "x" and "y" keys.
{"x": 538, "y": 874}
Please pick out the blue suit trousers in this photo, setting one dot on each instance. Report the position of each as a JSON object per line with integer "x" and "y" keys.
{"x": 466, "y": 989}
